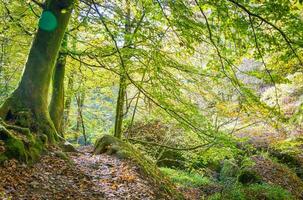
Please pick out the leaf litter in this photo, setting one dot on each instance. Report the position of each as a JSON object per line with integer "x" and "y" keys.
{"x": 85, "y": 176}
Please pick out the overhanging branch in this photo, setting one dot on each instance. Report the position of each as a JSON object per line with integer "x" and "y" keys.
{"x": 170, "y": 147}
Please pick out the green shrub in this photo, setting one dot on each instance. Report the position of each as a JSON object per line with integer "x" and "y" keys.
{"x": 184, "y": 178}
{"x": 212, "y": 157}
{"x": 257, "y": 191}
{"x": 229, "y": 171}
{"x": 253, "y": 192}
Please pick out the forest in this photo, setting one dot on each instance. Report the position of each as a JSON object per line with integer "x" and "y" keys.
{"x": 151, "y": 99}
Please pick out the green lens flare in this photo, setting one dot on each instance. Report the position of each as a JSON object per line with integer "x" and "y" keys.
{"x": 48, "y": 21}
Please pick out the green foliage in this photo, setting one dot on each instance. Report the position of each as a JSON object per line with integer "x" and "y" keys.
{"x": 289, "y": 146}
{"x": 185, "y": 179}
{"x": 213, "y": 156}
{"x": 247, "y": 162}
{"x": 253, "y": 192}
{"x": 206, "y": 70}
{"x": 229, "y": 171}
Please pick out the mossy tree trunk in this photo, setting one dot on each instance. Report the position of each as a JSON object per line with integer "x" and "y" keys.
{"x": 119, "y": 107}
{"x": 122, "y": 83}
{"x": 31, "y": 95}
{"x": 56, "y": 107}
{"x": 68, "y": 101}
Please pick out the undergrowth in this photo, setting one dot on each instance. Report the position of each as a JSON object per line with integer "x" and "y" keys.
{"x": 186, "y": 179}
{"x": 253, "y": 192}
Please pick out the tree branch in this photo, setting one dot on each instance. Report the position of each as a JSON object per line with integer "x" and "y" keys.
{"x": 283, "y": 34}
{"x": 169, "y": 147}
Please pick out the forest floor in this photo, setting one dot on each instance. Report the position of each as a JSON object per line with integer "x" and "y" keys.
{"x": 79, "y": 176}
{"x": 82, "y": 175}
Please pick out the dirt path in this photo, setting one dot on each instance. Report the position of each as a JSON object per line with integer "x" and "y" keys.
{"x": 86, "y": 177}
{"x": 118, "y": 179}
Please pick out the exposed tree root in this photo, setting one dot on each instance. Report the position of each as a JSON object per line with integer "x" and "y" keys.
{"x": 21, "y": 145}
{"x": 24, "y": 132}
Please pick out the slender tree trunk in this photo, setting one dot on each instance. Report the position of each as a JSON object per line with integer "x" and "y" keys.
{"x": 122, "y": 84}
{"x": 80, "y": 121}
{"x": 2, "y": 54}
{"x": 68, "y": 101}
{"x": 70, "y": 84}
{"x": 119, "y": 107}
{"x": 31, "y": 95}
{"x": 56, "y": 107}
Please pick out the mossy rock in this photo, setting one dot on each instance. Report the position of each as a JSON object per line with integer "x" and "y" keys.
{"x": 111, "y": 145}
{"x": 67, "y": 147}
{"x": 171, "y": 159}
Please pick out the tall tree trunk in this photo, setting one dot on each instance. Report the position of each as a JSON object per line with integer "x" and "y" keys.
{"x": 68, "y": 101}
{"x": 70, "y": 85}
{"x": 56, "y": 107}
{"x": 31, "y": 95}
{"x": 122, "y": 84}
{"x": 119, "y": 107}
{"x": 80, "y": 120}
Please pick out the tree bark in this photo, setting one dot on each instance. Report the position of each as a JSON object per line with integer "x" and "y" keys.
{"x": 31, "y": 95}
{"x": 56, "y": 107}
{"x": 68, "y": 101}
{"x": 122, "y": 84}
{"x": 119, "y": 107}
{"x": 80, "y": 121}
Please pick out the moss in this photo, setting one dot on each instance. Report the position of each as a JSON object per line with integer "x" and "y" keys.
{"x": 171, "y": 159}
{"x": 111, "y": 145}
{"x": 13, "y": 145}
{"x": 56, "y": 106}
{"x": 185, "y": 179}
{"x": 247, "y": 176}
{"x": 3, "y": 157}
{"x": 63, "y": 156}
{"x": 24, "y": 131}
{"x": 45, "y": 127}
{"x": 27, "y": 106}
{"x": 34, "y": 153}
{"x": 43, "y": 138}
{"x": 20, "y": 142}
{"x": 15, "y": 149}
{"x": 24, "y": 148}
{"x": 23, "y": 119}
{"x": 35, "y": 150}
{"x": 253, "y": 192}
{"x": 67, "y": 147}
